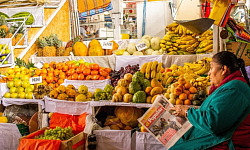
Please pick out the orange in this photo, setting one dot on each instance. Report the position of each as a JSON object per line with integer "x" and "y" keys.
{"x": 181, "y": 81}
{"x": 44, "y": 82}
{"x": 179, "y": 102}
{"x": 190, "y": 96}
{"x": 148, "y": 90}
{"x": 38, "y": 72}
{"x": 192, "y": 90}
{"x": 60, "y": 81}
{"x": 187, "y": 102}
{"x": 187, "y": 85}
{"x": 44, "y": 71}
{"x": 183, "y": 96}
{"x": 186, "y": 92}
{"x": 45, "y": 65}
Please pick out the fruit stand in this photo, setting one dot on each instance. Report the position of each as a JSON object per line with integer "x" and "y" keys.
{"x": 92, "y": 93}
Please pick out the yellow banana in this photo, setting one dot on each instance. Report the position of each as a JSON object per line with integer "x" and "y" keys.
{"x": 148, "y": 69}
{"x": 201, "y": 79}
{"x": 159, "y": 66}
{"x": 154, "y": 65}
{"x": 191, "y": 42}
{"x": 153, "y": 74}
{"x": 208, "y": 47}
{"x": 143, "y": 68}
{"x": 175, "y": 48}
{"x": 163, "y": 41}
{"x": 175, "y": 44}
{"x": 184, "y": 46}
{"x": 203, "y": 70}
{"x": 162, "y": 45}
{"x": 147, "y": 75}
{"x": 187, "y": 38}
{"x": 158, "y": 76}
{"x": 174, "y": 24}
{"x": 177, "y": 29}
{"x": 170, "y": 80}
{"x": 169, "y": 74}
{"x": 180, "y": 30}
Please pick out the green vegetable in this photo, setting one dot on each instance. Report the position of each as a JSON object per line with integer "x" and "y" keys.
{"x": 134, "y": 87}
{"x": 139, "y": 97}
{"x": 138, "y": 77}
{"x": 146, "y": 83}
{"x": 108, "y": 88}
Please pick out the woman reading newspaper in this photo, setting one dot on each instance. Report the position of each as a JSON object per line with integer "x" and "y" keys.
{"x": 223, "y": 120}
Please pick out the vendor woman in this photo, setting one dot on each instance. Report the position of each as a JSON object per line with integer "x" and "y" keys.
{"x": 223, "y": 120}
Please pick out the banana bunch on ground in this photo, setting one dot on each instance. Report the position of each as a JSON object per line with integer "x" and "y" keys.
{"x": 200, "y": 83}
{"x": 152, "y": 70}
{"x": 206, "y": 42}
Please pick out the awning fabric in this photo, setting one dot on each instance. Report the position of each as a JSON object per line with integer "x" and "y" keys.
{"x": 96, "y": 11}
{"x": 87, "y": 5}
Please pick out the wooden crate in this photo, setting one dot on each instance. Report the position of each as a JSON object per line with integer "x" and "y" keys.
{"x": 233, "y": 47}
{"x": 68, "y": 145}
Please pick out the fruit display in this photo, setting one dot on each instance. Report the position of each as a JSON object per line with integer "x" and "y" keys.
{"x": 49, "y": 46}
{"x": 152, "y": 70}
{"x": 20, "y": 88}
{"x": 200, "y": 67}
{"x": 181, "y": 41}
{"x": 152, "y": 44}
{"x": 70, "y": 93}
{"x": 53, "y": 74}
{"x": 183, "y": 92}
{"x": 105, "y": 94}
{"x": 4, "y": 53}
{"x": 95, "y": 48}
{"x": 41, "y": 90}
{"x": 3, "y": 119}
{"x": 116, "y": 75}
{"x": 57, "y": 133}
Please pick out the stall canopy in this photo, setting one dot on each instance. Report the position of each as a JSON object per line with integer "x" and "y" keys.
{"x": 92, "y": 7}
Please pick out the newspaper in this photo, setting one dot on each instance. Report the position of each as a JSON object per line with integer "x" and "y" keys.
{"x": 164, "y": 126}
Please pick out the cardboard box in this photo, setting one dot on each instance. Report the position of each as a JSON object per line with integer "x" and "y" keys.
{"x": 79, "y": 139}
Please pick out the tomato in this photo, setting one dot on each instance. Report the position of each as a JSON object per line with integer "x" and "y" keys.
{"x": 79, "y": 70}
{"x": 62, "y": 75}
{"x": 52, "y": 64}
{"x": 52, "y": 85}
{"x": 70, "y": 72}
{"x": 80, "y": 77}
{"x": 50, "y": 70}
{"x": 60, "y": 81}
{"x": 88, "y": 77}
{"x": 38, "y": 72}
{"x": 95, "y": 66}
{"x": 69, "y": 78}
{"x": 49, "y": 79}
{"x": 44, "y": 82}
{"x": 108, "y": 70}
{"x": 101, "y": 69}
{"x": 94, "y": 72}
{"x": 86, "y": 72}
{"x": 95, "y": 77}
{"x": 44, "y": 71}
{"x": 74, "y": 76}
{"x": 59, "y": 66}
{"x": 72, "y": 66}
{"x": 50, "y": 74}
{"x": 65, "y": 68}
{"x": 45, "y": 65}
{"x": 108, "y": 77}
{"x": 43, "y": 76}
{"x": 104, "y": 73}
{"x": 88, "y": 66}
{"x": 55, "y": 79}
{"x": 82, "y": 66}
{"x": 56, "y": 72}
{"x": 102, "y": 78}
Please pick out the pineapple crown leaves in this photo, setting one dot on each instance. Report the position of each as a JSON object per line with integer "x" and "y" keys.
{"x": 2, "y": 33}
{"x": 19, "y": 62}
{"x": 2, "y": 21}
{"x": 42, "y": 42}
{"x": 21, "y": 30}
{"x": 12, "y": 30}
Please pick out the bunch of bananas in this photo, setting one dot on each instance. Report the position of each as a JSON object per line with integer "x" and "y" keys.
{"x": 206, "y": 42}
{"x": 152, "y": 70}
{"x": 199, "y": 67}
{"x": 200, "y": 83}
{"x": 179, "y": 29}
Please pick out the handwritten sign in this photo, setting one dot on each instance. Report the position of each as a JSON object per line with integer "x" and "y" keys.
{"x": 141, "y": 46}
{"x": 36, "y": 80}
{"x": 107, "y": 45}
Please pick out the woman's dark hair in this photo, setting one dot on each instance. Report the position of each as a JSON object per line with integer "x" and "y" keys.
{"x": 232, "y": 62}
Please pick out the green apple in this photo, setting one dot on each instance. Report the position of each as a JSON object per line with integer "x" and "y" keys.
{"x": 1, "y": 46}
{"x": 28, "y": 89}
{"x": 25, "y": 83}
{"x": 6, "y": 46}
{"x": 5, "y": 62}
{"x": 18, "y": 83}
{"x": 7, "y": 95}
{"x": 10, "y": 71}
{"x": 13, "y": 90}
{"x": 14, "y": 95}
{"x": 7, "y": 51}
{"x": 81, "y": 61}
{"x": 32, "y": 86}
{"x": 15, "y": 79}
{"x": 18, "y": 74}
{"x": 3, "y": 57}
{"x": 29, "y": 95}
{"x": 20, "y": 89}
{"x": 22, "y": 95}
{"x": 25, "y": 77}
{"x": 3, "y": 51}
{"x": 10, "y": 84}
{"x": 22, "y": 68}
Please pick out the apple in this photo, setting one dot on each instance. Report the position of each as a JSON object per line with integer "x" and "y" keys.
{"x": 81, "y": 61}
{"x": 18, "y": 83}
{"x": 10, "y": 71}
{"x": 14, "y": 95}
{"x": 28, "y": 89}
{"x": 18, "y": 74}
{"x": 25, "y": 83}
{"x": 6, "y": 46}
{"x": 13, "y": 90}
{"x": 20, "y": 89}
{"x": 15, "y": 79}
{"x": 32, "y": 86}
{"x": 7, "y": 95}
{"x": 29, "y": 95}
{"x": 3, "y": 51}
{"x": 5, "y": 62}
{"x": 7, "y": 51}
{"x": 22, "y": 68}
{"x": 10, "y": 84}
{"x": 3, "y": 57}
{"x": 25, "y": 77}
{"x": 22, "y": 95}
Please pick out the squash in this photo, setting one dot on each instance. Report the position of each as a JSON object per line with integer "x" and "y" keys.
{"x": 80, "y": 49}
{"x": 122, "y": 90}
{"x": 117, "y": 98}
{"x": 123, "y": 82}
{"x": 128, "y": 77}
{"x": 127, "y": 98}
{"x": 155, "y": 91}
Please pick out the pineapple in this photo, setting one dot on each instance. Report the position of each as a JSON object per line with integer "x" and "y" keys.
{"x": 49, "y": 49}
{"x": 10, "y": 34}
{"x": 19, "y": 36}
{"x": 60, "y": 49}
{"x": 41, "y": 44}
{"x": 67, "y": 51}
{"x": 3, "y": 24}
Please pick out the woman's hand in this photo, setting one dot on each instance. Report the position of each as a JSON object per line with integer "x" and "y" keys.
{"x": 180, "y": 110}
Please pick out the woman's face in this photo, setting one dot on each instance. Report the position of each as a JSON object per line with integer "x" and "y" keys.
{"x": 216, "y": 73}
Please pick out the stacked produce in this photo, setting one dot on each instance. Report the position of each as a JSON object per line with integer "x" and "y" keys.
{"x": 152, "y": 44}
{"x": 152, "y": 70}
{"x": 116, "y": 75}
{"x": 105, "y": 94}
{"x": 206, "y": 42}
{"x": 200, "y": 67}
{"x": 41, "y": 90}
{"x": 56, "y": 134}
{"x": 4, "y": 53}
{"x": 3, "y": 119}
{"x": 70, "y": 93}
{"x": 183, "y": 93}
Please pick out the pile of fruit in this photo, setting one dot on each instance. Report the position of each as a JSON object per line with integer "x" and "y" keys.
{"x": 152, "y": 70}
{"x": 152, "y": 47}
{"x": 3, "y": 119}
{"x": 70, "y": 93}
{"x": 183, "y": 92}
{"x": 56, "y": 134}
{"x": 181, "y": 41}
{"x": 116, "y": 75}
{"x": 105, "y": 94}
{"x": 41, "y": 90}
{"x": 4, "y": 53}
{"x": 53, "y": 74}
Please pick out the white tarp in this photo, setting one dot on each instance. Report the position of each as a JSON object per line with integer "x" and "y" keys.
{"x": 9, "y": 136}
{"x": 67, "y": 107}
{"x": 113, "y": 139}
{"x": 3, "y": 89}
{"x": 145, "y": 141}
{"x": 18, "y": 101}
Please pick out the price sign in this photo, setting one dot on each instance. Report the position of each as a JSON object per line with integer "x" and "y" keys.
{"x": 141, "y": 46}
{"x": 36, "y": 80}
{"x": 107, "y": 45}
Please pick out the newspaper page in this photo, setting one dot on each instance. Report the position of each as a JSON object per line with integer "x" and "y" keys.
{"x": 162, "y": 124}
